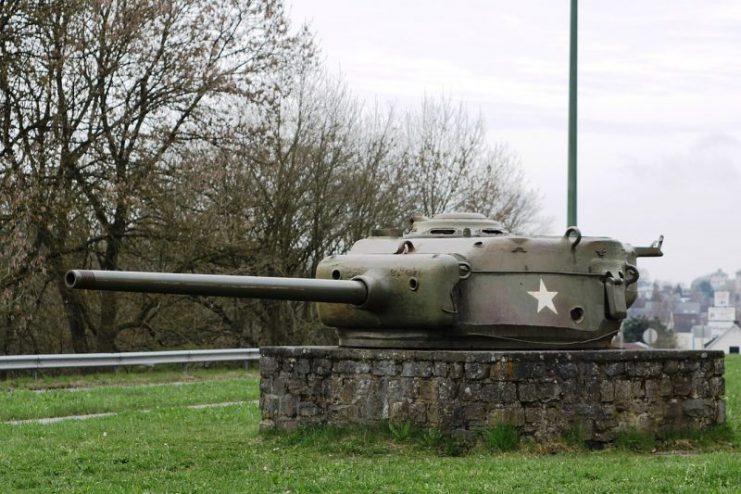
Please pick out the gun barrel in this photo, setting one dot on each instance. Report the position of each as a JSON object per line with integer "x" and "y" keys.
{"x": 310, "y": 290}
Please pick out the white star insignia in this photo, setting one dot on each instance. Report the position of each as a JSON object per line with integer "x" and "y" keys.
{"x": 544, "y": 298}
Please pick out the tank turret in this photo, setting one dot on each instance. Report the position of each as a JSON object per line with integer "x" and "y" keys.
{"x": 453, "y": 281}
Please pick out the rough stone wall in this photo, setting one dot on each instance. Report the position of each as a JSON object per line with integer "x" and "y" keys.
{"x": 544, "y": 393}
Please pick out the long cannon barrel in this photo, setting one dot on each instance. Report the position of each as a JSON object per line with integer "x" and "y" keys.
{"x": 310, "y": 290}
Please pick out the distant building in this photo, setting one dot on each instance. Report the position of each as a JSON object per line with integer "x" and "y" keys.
{"x": 722, "y": 298}
{"x": 687, "y": 308}
{"x": 649, "y": 309}
{"x": 695, "y": 339}
{"x": 729, "y": 341}
{"x": 718, "y": 280}
{"x": 684, "y": 322}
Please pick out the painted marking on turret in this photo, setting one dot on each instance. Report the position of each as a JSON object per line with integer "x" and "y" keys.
{"x": 544, "y": 298}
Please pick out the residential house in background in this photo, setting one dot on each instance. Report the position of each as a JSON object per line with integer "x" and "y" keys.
{"x": 702, "y": 316}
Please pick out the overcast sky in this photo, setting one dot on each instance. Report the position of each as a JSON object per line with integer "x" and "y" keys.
{"x": 659, "y": 104}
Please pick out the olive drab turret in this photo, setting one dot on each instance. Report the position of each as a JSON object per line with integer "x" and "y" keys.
{"x": 453, "y": 281}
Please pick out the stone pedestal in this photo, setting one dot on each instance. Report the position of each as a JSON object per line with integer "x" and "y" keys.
{"x": 544, "y": 393}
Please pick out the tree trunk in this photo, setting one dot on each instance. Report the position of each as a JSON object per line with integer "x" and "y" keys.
{"x": 106, "y": 341}
{"x": 75, "y": 313}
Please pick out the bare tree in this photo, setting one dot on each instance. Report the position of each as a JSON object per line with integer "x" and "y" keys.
{"x": 449, "y": 166}
{"x": 102, "y": 92}
{"x": 193, "y": 136}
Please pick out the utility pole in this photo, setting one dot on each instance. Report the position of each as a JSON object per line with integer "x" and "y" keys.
{"x": 571, "y": 212}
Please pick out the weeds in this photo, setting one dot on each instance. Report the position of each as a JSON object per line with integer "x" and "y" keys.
{"x": 402, "y": 431}
{"x": 432, "y": 438}
{"x": 637, "y": 441}
{"x": 502, "y": 437}
{"x": 574, "y": 436}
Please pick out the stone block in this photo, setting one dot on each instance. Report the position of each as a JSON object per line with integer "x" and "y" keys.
{"x": 671, "y": 367}
{"x": 653, "y": 369}
{"x": 364, "y": 387}
{"x": 604, "y": 436}
{"x": 287, "y": 406}
{"x": 642, "y": 422}
{"x": 681, "y": 385}
{"x": 720, "y": 412}
{"x": 534, "y": 417}
{"x": 543, "y": 393}
{"x": 589, "y": 371}
{"x": 455, "y": 370}
{"x": 607, "y": 391}
{"x": 698, "y": 408}
{"x": 700, "y": 387}
{"x": 288, "y": 365}
{"x": 266, "y": 385}
{"x": 278, "y": 385}
{"x": 512, "y": 415}
{"x": 476, "y": 370}
{"x": 475, "y": 414}
{"x": 673, "y": 410}
{"x": 531, "y": 370}
{"x": 372, "y": 407}
{"x": 687, "y": 366}
{"x": 418, "y": 413}
{"x": 269, "y": 406}
{"x": 605, "y": 418}
{"x": 427, "y": 390}
{"x": 501, "y": 392}
{"x": 268, "y": 366}
{"x": 643, "y": 369}
{"x": 307, "y": 409}
{"x": 296, "y": 385}
{"x": 303, "y": 366}
{"x": 316, "y": 387}
{"x": 665, "y": 386}
{"x": 266, "y": 425}
{"x": 589, "y": 390}
{"x": 321, "y": 367}
{"x": 570, "y": 392}
{"x": 351, "y": 367}
{"x": 469, "y": 391}
{"x": 717, "y": 387}
{"x": 398, "y": 412}
{"x": 652, "y": 388}
{"x": 446, "y": 389}
{"x": 548, "y": 391}
{"x": 614, "y": 369}
{"x": 502, "y": 370}
{"x": 527, "y": 392}
{"x": 719, "y": 367}
{"x": 287, "y": 424}
{"x": 622, "y": 391}
{"x": 342, "y": 414}
{"x": 440, "y": 369}
{"x": 416, "y": 369}
{"x": 567, "y": 370}
{"x": 385, "y": 368}
{"x": 401, "y": 388}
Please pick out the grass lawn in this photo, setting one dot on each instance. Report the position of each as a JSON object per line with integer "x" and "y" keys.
{"x": 155, "y": 444}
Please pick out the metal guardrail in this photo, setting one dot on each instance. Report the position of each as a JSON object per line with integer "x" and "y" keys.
{"x": 71, "y": 360}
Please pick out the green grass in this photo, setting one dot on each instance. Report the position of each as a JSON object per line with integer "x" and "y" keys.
{"x": 130, "y": 376}
{"x": 174, "y": 449}
{"x": 19, "y": 404}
